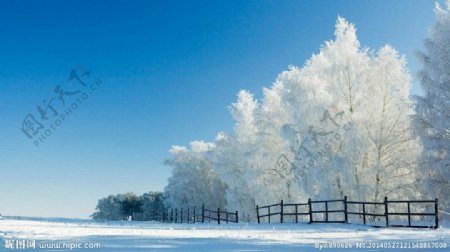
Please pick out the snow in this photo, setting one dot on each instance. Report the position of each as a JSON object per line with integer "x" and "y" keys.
{"x": 151, "y": 236}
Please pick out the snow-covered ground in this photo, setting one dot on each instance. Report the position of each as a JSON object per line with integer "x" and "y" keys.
{"x": 151, "y": 236}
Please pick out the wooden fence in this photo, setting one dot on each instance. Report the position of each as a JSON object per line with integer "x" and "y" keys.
{"x": 343, "y": 208}
{"x": 194, "y": 215}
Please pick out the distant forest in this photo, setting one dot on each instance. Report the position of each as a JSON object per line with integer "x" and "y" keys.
{"x": 128, "y": 206}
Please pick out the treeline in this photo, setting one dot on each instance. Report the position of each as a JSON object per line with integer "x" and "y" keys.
{"x": 342, "y": 124}
{"x": 129, "y": 206}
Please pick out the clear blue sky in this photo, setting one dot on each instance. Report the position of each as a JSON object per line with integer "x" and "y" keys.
{"x": 169, "y": 71}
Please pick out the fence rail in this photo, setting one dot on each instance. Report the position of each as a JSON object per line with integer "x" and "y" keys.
{"x": 219, "y": 216}
{"x": 363, "y": 213}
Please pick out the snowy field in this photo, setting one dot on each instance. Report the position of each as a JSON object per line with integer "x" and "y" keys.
{"x": 151, "y": 236}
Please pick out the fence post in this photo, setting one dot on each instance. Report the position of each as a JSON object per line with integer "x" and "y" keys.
{"x": 171, "y": 215}
{"x": 203, "y": 213}
{"x": 218, "y": 216}
{"x": 436, "y": 212}
{"x": 326, "y": 211}
{"x": 386, "y": 211}
{"x": 364, "y": 213}
{"x": 345, "y": 210}
{"x": 310, "y": 211}
{"x": 296, "y": 213}
{"x": 181, "y": 215}
{"x": 226, "y": 217}
{"x": 409, "y": 214}
{"x": 194, "y": 215}
{"x": 188, "y": 220}
{"x": 268, "y": 209}
{"x": 176, "y": 215}
{"x": 237, "y": 217}
{"x": 281, "y": 211}
{"x": 257, "y": 213}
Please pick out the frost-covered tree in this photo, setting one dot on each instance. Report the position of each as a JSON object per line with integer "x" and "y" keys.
{"x": 193, "y": 181}
{"x": 349, "y": 122}
{"x": 393, "y": 150}
{"x": 327, "y": 94}
{"x": 433, "y": 108}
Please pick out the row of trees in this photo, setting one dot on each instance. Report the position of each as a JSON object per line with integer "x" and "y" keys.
{"x": 129, "y": 206}
{"x": 343, "y": 124}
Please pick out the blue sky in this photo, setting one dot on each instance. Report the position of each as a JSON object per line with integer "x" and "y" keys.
{"x": 169, "y": 69}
